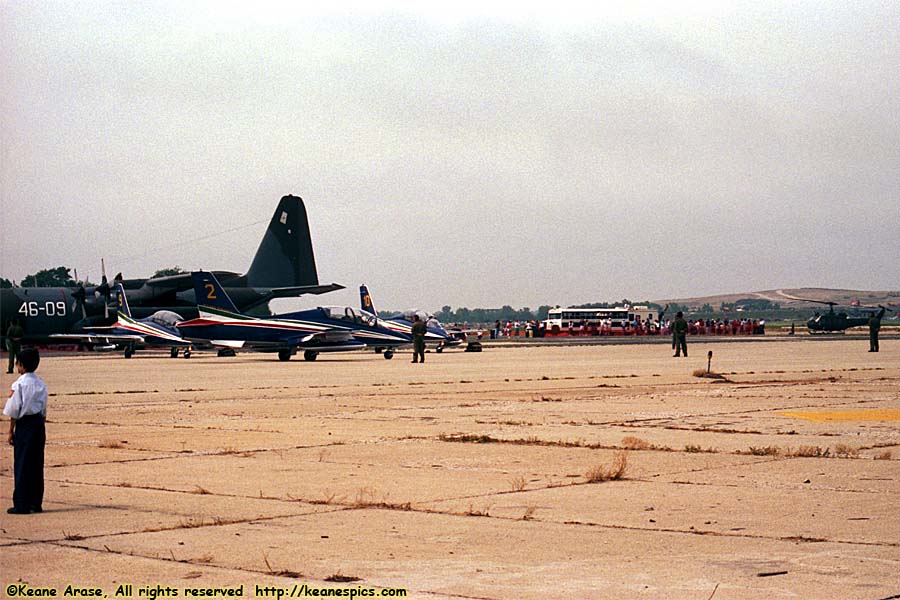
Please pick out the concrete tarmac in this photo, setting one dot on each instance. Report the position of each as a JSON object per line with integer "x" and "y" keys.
{"x": 488, "y": 475}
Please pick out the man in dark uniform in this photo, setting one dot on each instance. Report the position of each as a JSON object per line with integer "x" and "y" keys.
{"x": 679, "y": 334}
{"x": 874, "y": 326}
{"x": 14, "y": 336}
{"x": 418, "y": 333}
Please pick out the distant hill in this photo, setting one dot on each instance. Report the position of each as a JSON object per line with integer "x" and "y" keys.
{"x": 794, "y": 298}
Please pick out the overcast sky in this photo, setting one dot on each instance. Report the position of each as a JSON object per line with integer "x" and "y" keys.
{"x": 476, "y": 155}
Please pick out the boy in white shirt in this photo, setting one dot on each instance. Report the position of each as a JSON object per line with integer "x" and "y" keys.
{"x": 27, "y": 409}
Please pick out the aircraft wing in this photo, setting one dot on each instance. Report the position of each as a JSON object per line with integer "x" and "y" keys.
{"x": 329, "y": 336}
{"x": 291, "y": 292}
{"x": 233, "y": 344}
{"x": 99, "y": 338}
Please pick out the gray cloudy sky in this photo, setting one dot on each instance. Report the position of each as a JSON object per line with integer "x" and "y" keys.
{"x": 522, "y": 154}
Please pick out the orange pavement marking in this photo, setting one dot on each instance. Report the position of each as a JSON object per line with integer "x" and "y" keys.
{"x": 846, "y": 415}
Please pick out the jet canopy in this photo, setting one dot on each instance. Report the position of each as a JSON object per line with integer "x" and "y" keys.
{"x": 166, "y": 318}
{"x": 350, "y": 315}
{"x": 424, "y": 316}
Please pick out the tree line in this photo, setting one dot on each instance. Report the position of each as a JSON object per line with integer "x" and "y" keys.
{"x": 62, "y": 277}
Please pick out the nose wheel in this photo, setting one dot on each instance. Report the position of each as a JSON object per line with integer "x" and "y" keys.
{"x": 388, "y": 354}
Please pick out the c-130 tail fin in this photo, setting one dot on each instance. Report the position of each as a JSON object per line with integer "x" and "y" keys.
{"x": 285, "y": 255}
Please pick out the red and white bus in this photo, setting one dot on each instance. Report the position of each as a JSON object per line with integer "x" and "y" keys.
{"x": 600, "y": 321}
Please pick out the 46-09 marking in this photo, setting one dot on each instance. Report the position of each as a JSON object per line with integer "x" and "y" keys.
{"x": 51, "y": 309}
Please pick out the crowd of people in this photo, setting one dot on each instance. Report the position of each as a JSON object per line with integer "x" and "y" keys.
{"x": 637, "y": 327}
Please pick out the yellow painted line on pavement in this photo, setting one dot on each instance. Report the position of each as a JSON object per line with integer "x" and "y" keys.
{"x": 822, "y": 416}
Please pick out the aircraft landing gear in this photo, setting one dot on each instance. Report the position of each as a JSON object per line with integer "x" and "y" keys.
{"x": 388, "y": 354}
{"x": 225, "y": 352}
{"x": 284, "y": 355}
{"x": 173, "y": 353}
{"x": 187, "y": 352}
{"x": 440, "y": 348}
{"x": 129, "y": 352}
{"x": 310, "y": 355}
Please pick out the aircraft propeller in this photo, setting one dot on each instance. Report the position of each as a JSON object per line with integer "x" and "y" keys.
{"x": 80, "y": 296}
{"x": 103, "y": 290}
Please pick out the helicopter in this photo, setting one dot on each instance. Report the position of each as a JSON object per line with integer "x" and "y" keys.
{"x": 832, "y": 322}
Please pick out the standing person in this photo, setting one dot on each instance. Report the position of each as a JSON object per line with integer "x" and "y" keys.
{"x": 874, "y": 326}
{"x": 418, "y": 333}
{"x": 27, "y": 409}
{"x": 679, "y": 334}
{"x": 496, "y": 329}
{"x": 14, "y": 336}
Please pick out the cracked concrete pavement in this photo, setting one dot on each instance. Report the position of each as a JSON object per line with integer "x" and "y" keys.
{"x": 466, "y": 477}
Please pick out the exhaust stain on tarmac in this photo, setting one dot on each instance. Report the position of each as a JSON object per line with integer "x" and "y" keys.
{"x": 846, "y": 416}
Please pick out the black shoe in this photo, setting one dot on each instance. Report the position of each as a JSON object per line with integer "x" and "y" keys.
{"x": 37, "y": 509}
{"x": 14, "y": 510}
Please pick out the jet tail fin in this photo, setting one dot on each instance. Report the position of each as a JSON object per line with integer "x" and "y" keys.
{"x": 365, "y": 300}
{"x": 285, "y": 255}
{"x": 209, "y": 292}
{"x": 122, "y": 301}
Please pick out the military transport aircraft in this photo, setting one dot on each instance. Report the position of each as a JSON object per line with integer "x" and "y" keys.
{"x": 156, "y": 330}
{"x": 323, "y": 329}
{"x": 435, "y": 334}
{"x": 284, "y": 266}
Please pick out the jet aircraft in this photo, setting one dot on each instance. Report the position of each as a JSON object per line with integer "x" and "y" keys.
{"x": 435, "y": 334}
{"x": 156, "y": 330}
{"x": 322, "y": 329}
{"x": 284, "y": 266}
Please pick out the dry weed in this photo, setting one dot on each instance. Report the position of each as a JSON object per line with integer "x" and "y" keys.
{"x": 808, "y": 452}
{"x": 612, "y": 472}
{"x": 518, "y": 484}
{"x": 630, "y": 442}
{"x": 886, "y": 455}
{"x": 466, "y": 437}
{"x": 765, "y": 451}
{"x": 338, "y": 578}
{"x": 845, "y": 451}
{"x": 110, "y": 444}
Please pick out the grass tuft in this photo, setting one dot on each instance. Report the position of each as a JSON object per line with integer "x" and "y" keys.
{"x": 630, "y": 442}
{"x": 765, "y": 450}
{"x": 808, "y": 452}
{"x": 612, "y": 472}
{"x": 338, "y": 578}
{"x": 845, "y": 451}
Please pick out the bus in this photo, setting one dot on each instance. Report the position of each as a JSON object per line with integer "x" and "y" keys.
{"x": 597, "y": 321}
